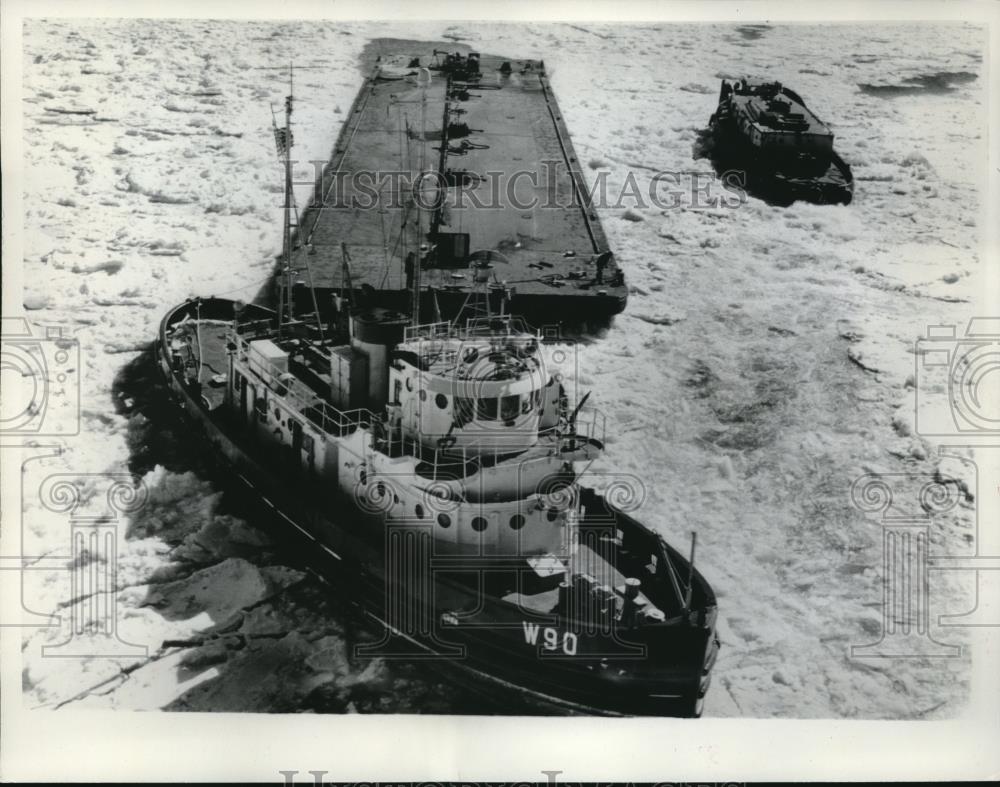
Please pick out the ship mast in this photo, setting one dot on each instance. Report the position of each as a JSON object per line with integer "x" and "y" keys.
{"x": 283, "y": 142}
{"x": 288, "y": 207}
{"x": 418, "y": 264}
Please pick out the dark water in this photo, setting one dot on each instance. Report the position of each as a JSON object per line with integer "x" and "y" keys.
{"x": 938, "y": 82}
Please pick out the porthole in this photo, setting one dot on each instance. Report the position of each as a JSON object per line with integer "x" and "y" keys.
{"x": 419, "y": 510}
{"x": 363, "y": 477}
{"x": 516, "y": 522}
{"x": 441, "y": 401}
{"x": 409, "y": 383}
{"x": 479, "y": 524}
{"x": 380, "y": 489}
{"x": 551, "y": 514}
{"x": 395, "y": 500}
{"x": 444, "y": 520}
{"x": 423, "y": 395}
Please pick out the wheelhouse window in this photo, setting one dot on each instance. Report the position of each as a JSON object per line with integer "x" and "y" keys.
{"x": 465, "y": 409}
{"x": 510, "y": 406}
{"x": 486, "y": 409}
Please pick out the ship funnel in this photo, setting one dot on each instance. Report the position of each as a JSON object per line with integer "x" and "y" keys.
{"x": 374, "y": 332}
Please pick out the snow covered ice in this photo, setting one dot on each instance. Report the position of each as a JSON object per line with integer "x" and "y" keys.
{"x": 763, "y": 363}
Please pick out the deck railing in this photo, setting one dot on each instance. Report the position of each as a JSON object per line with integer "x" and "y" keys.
{"x": 429, "y": 330}
{"x": 475, "y": 327}
{"x": 590, "y": 423}
{"x": 463, "y": 459}
{"x": 320, "y": 413}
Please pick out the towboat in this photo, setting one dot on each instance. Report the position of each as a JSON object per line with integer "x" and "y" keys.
{"x": 785, "y": 150}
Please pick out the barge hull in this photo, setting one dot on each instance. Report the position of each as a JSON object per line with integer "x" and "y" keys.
{"x": 510, "y": 180}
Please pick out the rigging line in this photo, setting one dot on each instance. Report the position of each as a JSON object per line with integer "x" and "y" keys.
{"x": 287, "y": 251}
{"x": 312, "y": 291}
{"x": 403, "y": 145}
{"x": 385, "y": 246}
{"x": 243, "y": 287}
{"x": 401, "y": 238}
{"x": 305, "y": 261}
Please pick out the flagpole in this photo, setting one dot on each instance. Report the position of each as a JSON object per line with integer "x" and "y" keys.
{"x": 288, "y": 199}
{"x": 281, "y": 289}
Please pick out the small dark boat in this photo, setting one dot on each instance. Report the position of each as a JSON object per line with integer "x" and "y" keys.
{"x": 786, "y": 151}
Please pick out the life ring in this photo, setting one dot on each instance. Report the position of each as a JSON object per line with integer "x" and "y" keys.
{"x": 469, "y": 354}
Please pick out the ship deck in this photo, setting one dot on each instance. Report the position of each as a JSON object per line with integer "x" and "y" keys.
{"x": 751, "y": 104}
{"x": 515, "y": 186}
{"x": 813, "y": 125}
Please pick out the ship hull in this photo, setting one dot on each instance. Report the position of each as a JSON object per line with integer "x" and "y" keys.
{"x": 562, "y": 308}
{"x": 490, "y": 647}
